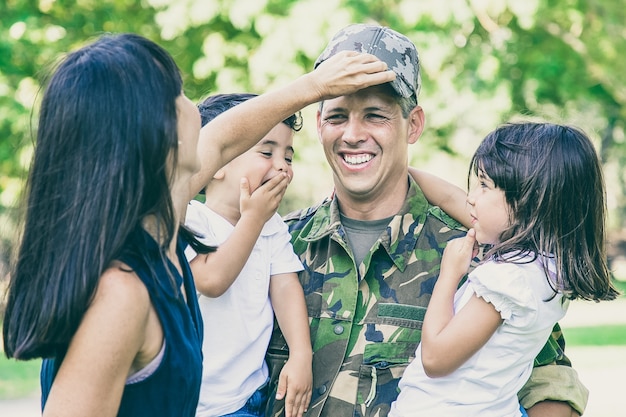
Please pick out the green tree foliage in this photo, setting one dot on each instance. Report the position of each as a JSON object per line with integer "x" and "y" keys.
{"x": 483, "y": 62}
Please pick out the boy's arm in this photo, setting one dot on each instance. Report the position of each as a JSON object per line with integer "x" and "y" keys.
{"x": 215, "y": 272}
{"x": 296, "y": 378}
{"x": 439, "y": 192}
{"x": 238, "y": 129}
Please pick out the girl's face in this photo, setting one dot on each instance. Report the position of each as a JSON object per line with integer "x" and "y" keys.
{"x": 488, "y": 209}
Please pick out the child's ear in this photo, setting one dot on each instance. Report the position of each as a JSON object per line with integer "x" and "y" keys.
{"x": 220, "y": 174}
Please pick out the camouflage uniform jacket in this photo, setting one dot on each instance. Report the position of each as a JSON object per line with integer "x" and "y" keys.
{"x": 365, "y": 325}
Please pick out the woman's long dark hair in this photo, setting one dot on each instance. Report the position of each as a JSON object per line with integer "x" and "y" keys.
{"x": 107, "y": 128}
{"x": 552, "y": 180}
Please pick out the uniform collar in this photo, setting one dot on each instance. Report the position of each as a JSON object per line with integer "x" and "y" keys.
{"x": 401, "y": 235}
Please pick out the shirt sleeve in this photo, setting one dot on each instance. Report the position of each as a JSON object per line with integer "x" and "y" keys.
{"x": 554, "y": 383}
{"x": 505, "y": 286}
{"x": 284, "y": 259}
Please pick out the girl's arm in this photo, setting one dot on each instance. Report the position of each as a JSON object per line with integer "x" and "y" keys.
{"x": 118, "y": 327}
{"x": 236, "y": 130}
{"x": 439, "y": 192}
{"x": 448, "y": 340}
{"x": 296, "y": 378}
{"x": 215, "y": 272}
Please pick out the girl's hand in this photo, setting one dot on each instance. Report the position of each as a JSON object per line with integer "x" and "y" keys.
{"x": 458, "y": 255}
{"x": 347, "y": 72}
{"x": 264, "y": 201}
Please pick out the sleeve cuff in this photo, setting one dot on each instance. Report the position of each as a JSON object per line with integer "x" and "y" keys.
{"x": 554, "y": 383}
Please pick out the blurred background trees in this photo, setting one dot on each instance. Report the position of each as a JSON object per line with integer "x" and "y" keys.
{"x": 483, "y": 62}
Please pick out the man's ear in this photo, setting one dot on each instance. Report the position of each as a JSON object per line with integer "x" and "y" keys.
{"x": 319, "y": 125}
{"x": 416, "y": 124}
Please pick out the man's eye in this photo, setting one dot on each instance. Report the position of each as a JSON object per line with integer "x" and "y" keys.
{"x": 336, "y": 118}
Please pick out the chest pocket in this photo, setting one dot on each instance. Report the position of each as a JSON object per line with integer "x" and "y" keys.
{"x": 401, "y": 315}
{"x": 398, "y": 331}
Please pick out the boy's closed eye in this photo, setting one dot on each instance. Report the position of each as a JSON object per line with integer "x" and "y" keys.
{"x": 269, "y": 154}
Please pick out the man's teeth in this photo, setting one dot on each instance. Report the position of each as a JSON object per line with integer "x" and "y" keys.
{"x": 357, "y": 159}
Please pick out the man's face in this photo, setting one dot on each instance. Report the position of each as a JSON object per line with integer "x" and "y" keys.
{"x": 365, "y": 139}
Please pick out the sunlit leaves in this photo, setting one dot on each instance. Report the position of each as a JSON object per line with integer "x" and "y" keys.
{"x": 483, "y": 62}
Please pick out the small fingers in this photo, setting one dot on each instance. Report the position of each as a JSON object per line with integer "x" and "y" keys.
{"x": 295, "y": 405}
{"x": 277, "y": 179}
{"x": 470, "y": 237}
{"x": 468, "y": 243}
{"x": 304, "y": 404}
{"x": 244, "y": 186}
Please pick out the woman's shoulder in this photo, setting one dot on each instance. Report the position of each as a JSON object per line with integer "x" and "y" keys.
{"x": 122, "y": 287}
{"x": 122, "y": 305}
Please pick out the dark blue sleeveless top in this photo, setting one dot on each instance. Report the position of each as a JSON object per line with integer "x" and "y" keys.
{"x": 174, "y": 387}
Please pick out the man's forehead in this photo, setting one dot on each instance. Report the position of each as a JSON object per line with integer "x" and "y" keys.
{"x": 376, "y": 96}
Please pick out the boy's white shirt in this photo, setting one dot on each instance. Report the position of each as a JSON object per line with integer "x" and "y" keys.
{"x": 238, "y": 324}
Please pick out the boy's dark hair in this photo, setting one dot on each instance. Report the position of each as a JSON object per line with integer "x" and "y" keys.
{"x": 214, "y": 105}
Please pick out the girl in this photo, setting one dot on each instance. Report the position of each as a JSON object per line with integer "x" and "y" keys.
{"x": 101, "y": 286}
{"x": 539, "y": 212}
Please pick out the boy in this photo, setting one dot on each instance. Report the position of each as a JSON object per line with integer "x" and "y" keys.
{"x": 251, "y": 275}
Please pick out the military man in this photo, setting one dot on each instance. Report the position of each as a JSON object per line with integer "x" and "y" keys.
{"x": 372, "y": 251}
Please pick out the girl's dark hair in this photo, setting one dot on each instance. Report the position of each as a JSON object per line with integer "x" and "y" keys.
{"x": 106, "y": 135}
{"x": 552, "y": 181}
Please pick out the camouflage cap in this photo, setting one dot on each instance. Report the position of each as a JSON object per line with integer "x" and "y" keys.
{"x": 387, "y": 45}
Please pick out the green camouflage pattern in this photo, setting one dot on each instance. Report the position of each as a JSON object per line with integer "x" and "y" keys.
{"x": 391, "y": 47}
{"x": 366, "y": 322}
{"x": 366, "y": 325}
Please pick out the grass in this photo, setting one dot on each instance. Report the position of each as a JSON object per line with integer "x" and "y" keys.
{"x": 601, "y": 335}
{"x": 18, "y": 378}
{"x": 21, "y": 378}
{"x": 596, "y": 335}
{"x": 620, "y": 284}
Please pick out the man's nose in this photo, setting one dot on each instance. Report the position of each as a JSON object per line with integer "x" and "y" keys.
{"x": 354, "y": 131}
